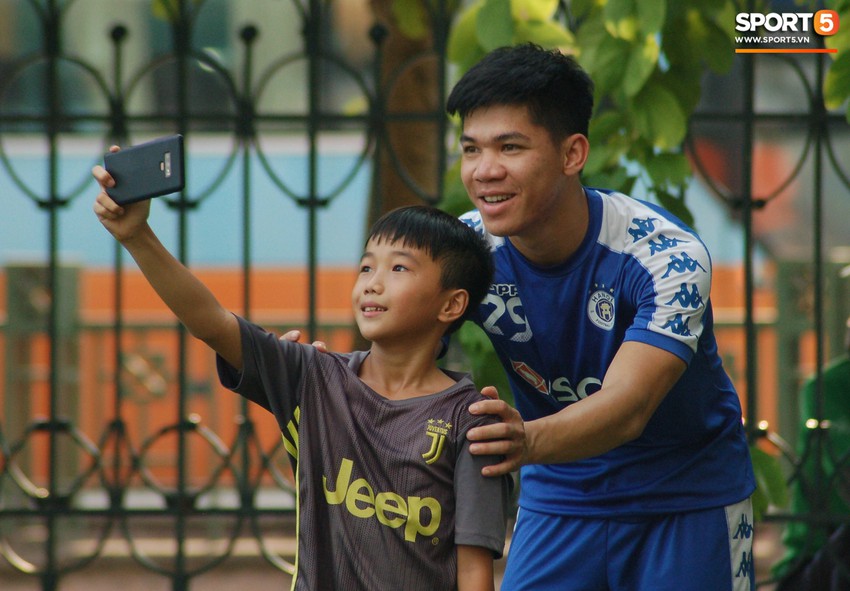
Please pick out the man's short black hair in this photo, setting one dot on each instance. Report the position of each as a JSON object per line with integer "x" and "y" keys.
{"x": 463, "y": 255}
{"x": 554, "y": 87}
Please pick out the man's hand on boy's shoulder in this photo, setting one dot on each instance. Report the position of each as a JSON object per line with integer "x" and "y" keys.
{"x": 505, "y": 438}
{"x": 294, "y": 336}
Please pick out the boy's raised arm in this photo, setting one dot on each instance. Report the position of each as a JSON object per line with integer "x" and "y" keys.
{"x": 190, "y": 300}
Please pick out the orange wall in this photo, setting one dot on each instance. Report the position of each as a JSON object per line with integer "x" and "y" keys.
{"x": 279, "y": 296}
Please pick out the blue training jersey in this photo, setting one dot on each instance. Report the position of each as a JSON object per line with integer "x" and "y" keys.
{"x": 639, "y": 275}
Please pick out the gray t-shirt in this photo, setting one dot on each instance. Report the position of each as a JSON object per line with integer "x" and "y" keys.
{"x": 386, "y": 488}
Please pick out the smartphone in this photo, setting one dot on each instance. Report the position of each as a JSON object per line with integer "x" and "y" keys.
{"x": 146, "y": 170}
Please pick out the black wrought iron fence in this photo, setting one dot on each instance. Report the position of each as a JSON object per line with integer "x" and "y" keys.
{"x": 114, "y": 437}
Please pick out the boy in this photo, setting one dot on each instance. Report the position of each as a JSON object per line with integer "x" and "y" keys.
{"x": 388, "y": 495}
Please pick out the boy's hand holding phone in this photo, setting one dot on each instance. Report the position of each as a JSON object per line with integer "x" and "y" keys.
{"x": 123, "y": 222}
{"x": 129, "y": 178}
{"x": 146, "y": 170}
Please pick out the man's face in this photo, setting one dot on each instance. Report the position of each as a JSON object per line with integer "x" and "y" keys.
{"x": 512, "y": 171}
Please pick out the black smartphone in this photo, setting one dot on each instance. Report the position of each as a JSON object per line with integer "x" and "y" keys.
{"x": 146, "y": 170}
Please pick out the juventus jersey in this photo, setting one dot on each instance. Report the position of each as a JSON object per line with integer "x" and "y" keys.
{"x": 639, "y": 275}
{"x": 385, "y": 489}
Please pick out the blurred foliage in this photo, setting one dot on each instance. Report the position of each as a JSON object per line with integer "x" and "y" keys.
{"x": 771, "y": 485}
{"x": 647, "y": 60}
{"x": 836, "y": 84}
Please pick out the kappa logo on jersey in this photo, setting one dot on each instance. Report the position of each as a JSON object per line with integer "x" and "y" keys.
{"x": 687, "y": 298}
{"x": 664, "y": 243}
{"x": 679, "y": 325}
{"x": 389, "y": 508}
{"x": 642, "y": 228}
{"x": 682, "y": 264}
{"x": 600, "y": 307}
{"x": 560, "y": 388}
{"x": 744, "y": 532}
{"x": 437, "y": 431}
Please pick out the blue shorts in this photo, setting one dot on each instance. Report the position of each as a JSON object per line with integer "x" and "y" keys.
{"x": 710, "y": 550}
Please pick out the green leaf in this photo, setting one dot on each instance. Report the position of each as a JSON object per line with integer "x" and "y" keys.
{"x": 494, "y": 25}
{"x": 718, "y": 50}
{"x": 841, "y": 39}
{"x": 533, "y": 10}
{"x": 609, "y": 68}
{"x": 589, "y": 37}
{"x": 685, "y": 83}
{"x": 713, "y": 7}
{"x": 616, "y": 179}
{"x": 582, "y": 8}
{"x": 166, "y": 10}
{"x": 605, "y": 124}
{"x": 651, "y": 15}
{"x": 678, "y": 46}
{"x": 770, "y": 481}
{"x": 548, "y": 34}
{"x": 668, "y": 168}
{"x": 601, "y": 157}
{"x": 463, "y": 48}
{"x": 621, "y": 19}
{"x": 411, "y": 18}
{"x": 658, "y": 117}
{"x": 641, "y": 63}
{"x": 836, "y": 83}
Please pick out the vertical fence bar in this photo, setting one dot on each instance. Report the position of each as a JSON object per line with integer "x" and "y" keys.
{"x": 818, "y": 126}
{"x": 52, "y": 47}
{"x": 313, "y": 40}
{"x": 182, "y": 47}
{"x": 747, "y": 204}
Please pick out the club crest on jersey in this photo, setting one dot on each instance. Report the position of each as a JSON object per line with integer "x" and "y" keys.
{"x": 600, "y": 307}
{"x": 437, "y": 431}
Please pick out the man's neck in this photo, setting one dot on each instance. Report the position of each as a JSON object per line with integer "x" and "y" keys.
{"x": 561, "y": 236}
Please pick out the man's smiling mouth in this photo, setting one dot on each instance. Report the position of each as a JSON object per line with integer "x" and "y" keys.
{"x": 495, "y": 198}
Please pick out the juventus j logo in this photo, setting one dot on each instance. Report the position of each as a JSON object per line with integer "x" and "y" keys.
{"x": 436, "y": 432}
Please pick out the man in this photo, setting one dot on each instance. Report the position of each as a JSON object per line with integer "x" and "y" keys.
{"x": 635, "y": 466}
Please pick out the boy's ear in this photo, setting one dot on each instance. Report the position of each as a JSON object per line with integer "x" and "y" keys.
{"x": 454, "y": 305}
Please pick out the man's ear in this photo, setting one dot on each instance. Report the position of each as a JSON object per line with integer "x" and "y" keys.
{"x": 575, "y": 150}
{"x": 454, "y": 305}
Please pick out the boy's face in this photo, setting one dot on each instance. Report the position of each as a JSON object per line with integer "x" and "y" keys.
{"x": 397, "y": 295}
{"x": 512, "y": 170}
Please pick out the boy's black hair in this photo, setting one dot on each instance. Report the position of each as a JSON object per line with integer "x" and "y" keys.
{"x": 556, "y": 90}
{"x": 463, "y": 254}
